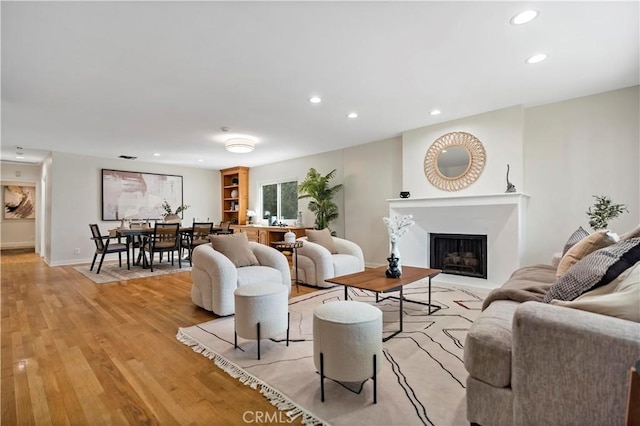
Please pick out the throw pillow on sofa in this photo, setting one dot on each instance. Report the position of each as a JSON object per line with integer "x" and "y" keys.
{"x": 322, "y": 237}
{"x": 575, "y": 238}
{"x": 594, "y": 270}
{"x": 620, "y": 298}
{"x": 236, "y": 248}
{"x": 593, "y": 242}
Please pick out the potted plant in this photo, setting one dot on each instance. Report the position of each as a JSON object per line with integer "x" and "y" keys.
{"x": 603, "y": 210}
{"x": 170, "y": 215}
{"x": 316, "y": 187}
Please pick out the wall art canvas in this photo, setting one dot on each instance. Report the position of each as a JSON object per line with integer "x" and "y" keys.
{"x": 19, "y": 202}
{"x": 134, "y": 195}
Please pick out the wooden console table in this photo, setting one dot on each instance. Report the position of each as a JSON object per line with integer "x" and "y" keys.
{"x": 268, "y": 235}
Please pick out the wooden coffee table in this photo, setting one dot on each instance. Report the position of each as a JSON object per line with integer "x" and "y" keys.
{"x": 375, "y": 280}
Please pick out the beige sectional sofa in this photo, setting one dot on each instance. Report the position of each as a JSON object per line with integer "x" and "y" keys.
{"x": 533, "y": 363}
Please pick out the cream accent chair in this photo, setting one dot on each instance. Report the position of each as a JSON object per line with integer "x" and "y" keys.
{"x": 215, "y": 277}
{"x": 316, "y": 263}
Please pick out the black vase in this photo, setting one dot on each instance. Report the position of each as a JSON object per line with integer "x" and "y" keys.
{"x": 393, "y": 271}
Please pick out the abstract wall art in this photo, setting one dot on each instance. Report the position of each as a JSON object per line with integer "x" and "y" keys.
{"x": 135, "y": 195}
{"x": 19, "y": 202}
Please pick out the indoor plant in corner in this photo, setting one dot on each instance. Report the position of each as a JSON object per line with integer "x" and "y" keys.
{"x": 603, "y": 210}
{"x": 316, "y": 187}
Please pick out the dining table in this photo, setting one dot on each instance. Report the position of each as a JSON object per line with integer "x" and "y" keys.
{"x": 142, "y": 233}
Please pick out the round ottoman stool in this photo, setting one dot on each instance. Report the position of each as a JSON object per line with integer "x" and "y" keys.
{"x": 262, "y": 311}
{"x": 347, "y": 342}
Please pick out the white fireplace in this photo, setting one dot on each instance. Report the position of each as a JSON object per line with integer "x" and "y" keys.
{"x": 501, "y": 217}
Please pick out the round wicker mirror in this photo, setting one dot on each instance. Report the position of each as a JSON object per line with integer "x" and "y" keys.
{"x": 454, "y": 161}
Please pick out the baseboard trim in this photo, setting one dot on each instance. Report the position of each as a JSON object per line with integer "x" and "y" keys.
{"x": 18, "y": 245}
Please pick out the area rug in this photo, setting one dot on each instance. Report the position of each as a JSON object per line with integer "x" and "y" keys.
{"x": 422, "y": 379}
{"x": 111, "y": 272}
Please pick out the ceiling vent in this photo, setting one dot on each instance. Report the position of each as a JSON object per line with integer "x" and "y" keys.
{"x": 127, "y": 157}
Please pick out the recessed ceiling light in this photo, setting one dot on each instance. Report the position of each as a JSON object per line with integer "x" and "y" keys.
{"x": 436, "y": 112}
{"x": 524, "y": 17}
{"x": 200, "y": 160}
{"x": 156, "y": 154}
{"x": 20, "y": 157}
{"x": 352, "y": 115}
{"x": 536, "y": 58}
{"x": 315, "y": 100}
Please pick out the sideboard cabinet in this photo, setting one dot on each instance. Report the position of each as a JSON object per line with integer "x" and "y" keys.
{"x": 268, "y": 234}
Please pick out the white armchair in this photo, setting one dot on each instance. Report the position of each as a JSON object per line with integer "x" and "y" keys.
{"x": 316, "y": 263}
{"x": 215, "y": 277}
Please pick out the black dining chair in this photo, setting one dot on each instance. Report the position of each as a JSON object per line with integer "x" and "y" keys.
{"x": 225, "y": 228}
{"x": 104, "y": 246}
{"x": 199, "y": 235}
{"x": 165, "y": 239}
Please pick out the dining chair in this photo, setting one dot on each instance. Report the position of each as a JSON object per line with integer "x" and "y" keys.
{"x": 165, "y": 239}
{"x": 199, "y": 235}
{"x": 104, "y": 246}
{"x": 225, "y": 228}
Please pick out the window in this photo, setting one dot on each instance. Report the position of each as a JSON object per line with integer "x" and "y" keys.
{"x": 280, "y": 200}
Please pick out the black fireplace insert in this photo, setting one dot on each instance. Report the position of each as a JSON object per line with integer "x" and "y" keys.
{"x": 459, "y": 254}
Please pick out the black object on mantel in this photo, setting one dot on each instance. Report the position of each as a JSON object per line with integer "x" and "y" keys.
{"x": 405, "y": 194}
{"x": 510, "y": 187}
{"x": 393, "y": 271}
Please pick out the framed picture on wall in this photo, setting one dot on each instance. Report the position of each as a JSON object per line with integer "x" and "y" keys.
{"x": 19, "y": 202}
{"x": 135, "y": 195}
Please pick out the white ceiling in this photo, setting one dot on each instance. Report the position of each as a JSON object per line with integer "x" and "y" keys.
{"x": 111, "y": 78}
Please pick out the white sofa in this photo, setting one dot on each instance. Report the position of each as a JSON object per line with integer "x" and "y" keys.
{"x": 316, "y": 263}
{"x": 215, "y": 277}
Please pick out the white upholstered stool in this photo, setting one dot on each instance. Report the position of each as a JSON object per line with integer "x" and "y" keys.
{"x": 262, "y": 311}
{"x": 347, "y": 342}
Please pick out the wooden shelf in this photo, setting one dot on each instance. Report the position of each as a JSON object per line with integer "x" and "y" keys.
{"x": 235, "y": 179}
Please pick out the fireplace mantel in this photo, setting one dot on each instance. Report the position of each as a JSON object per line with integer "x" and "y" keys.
{"x": 501, "y": 217}
{"x": 517, "y": 198}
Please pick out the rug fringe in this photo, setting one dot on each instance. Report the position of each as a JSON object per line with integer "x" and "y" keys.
{"x": 275, "y": 397}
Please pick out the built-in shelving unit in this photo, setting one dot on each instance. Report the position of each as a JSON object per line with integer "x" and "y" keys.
{"x": 235, "y": 194}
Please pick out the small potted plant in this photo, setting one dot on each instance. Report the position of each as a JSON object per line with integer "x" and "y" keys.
{"x": 170, "y": 215}
{"x": 603, "y": 210}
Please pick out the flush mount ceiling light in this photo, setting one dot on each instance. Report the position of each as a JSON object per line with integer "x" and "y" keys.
{"x": 239, "y": 145}
{"x": 524, "y": 17}
{"x": 536, "y": 58}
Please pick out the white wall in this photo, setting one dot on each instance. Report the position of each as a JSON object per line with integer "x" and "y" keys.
{"x": 576, "y": 149}
{"x": 17, "y": 233}
{"x": 76, "y": 200}
{"x": 371, "y": 173}
{"x": 501, "y": 135}
{"x": 561, "y": 154}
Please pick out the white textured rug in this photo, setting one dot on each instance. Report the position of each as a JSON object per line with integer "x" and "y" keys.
{"x": 111, "y": 272}
{"x": 422, "y": 379}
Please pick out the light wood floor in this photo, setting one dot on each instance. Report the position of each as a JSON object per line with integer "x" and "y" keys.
{"x": 75, "y": 352}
